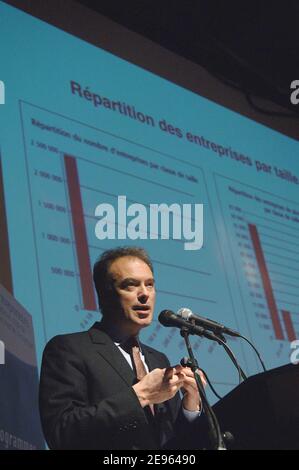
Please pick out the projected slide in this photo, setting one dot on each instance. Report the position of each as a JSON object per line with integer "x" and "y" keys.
{"x": 263, "y": 230}
{"x": 69, "y": 175}
{"x": 84, "y": 130}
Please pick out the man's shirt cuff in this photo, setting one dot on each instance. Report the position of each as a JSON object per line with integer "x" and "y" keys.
{"x": 191, "y": 415}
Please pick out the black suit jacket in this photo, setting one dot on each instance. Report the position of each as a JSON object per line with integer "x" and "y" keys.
{"x": 87, "y": 400}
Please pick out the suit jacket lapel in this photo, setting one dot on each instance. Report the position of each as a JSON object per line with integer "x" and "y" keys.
{"x": 104, "y": 346}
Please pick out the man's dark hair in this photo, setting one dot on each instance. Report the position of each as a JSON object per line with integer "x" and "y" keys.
{"x": 103, "y": 281}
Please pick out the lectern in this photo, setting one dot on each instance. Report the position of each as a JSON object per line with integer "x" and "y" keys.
{"x": 263, "y": 411}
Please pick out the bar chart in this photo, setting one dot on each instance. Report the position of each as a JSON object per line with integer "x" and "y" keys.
{"x": 262, "y": 232}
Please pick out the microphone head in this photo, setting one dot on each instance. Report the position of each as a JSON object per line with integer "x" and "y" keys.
{"x": 165, "y": 317}
{"x": 185, "y": 313}
{"x": 169, "y": 318}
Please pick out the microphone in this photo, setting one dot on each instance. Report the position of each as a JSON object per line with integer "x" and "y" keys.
{"x": 188, "y": 315}
{"x": 169, "y": 318}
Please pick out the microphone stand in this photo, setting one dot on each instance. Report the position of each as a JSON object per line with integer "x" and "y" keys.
{"x": 215, "y": 432}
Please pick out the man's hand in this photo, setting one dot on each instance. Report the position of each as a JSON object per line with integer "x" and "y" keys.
{"x": 159, "y": 385}
{"x": 191, "y": 400}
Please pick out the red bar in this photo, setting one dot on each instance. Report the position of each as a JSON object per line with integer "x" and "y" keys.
{"x": 88, "y": 294}
{"x": 266, "y": 281}
{"x": 289, "y": 325}
{"x": 5, "y": 265}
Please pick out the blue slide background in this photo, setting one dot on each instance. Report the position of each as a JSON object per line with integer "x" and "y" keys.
{"x": 222, "y": 280}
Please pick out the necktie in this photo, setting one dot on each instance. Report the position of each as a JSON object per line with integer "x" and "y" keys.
{"x": 132, "y": 347}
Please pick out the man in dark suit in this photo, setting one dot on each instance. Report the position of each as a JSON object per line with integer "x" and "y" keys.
{"x": 103, "y": 389}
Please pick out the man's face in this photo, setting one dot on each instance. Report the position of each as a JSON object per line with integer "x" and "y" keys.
{"x": 135, "y": 290}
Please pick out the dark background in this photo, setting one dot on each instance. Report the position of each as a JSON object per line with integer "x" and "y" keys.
{"x": 251, "y": 45}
